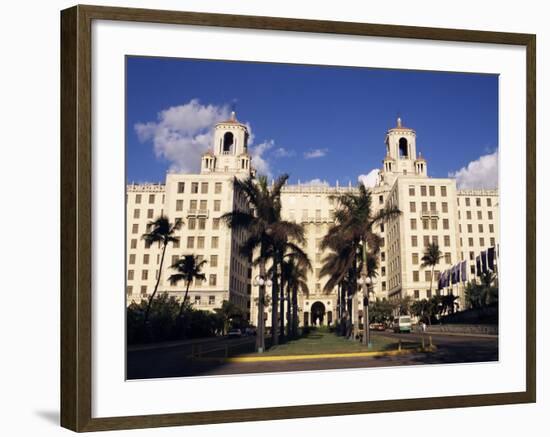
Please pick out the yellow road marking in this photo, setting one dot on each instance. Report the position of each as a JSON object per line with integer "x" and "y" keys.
{"x": 313, "y": 357}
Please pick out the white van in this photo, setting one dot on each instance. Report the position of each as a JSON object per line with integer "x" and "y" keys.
{"x": 402, "y": 324}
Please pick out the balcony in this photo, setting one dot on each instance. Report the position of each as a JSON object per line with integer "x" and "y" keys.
{"x": 430, "y": 213}
{"x": 197, "y": 213}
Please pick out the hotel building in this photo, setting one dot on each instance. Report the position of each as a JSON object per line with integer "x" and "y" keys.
{"x": 461, "y": 222}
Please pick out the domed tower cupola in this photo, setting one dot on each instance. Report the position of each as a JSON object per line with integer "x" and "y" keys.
{"x": 230, "y": 137}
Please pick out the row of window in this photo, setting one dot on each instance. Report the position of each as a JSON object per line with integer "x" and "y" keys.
{"x": 481, "y": 241}
{"x": 151, "y": 198}
{"x": 480, "y": 228}
{"x": 434, "y": 239}
{"x": 479, "y": 215}
{"x": 150, "y": 213}
{"x": 204, "y": 187}
{"x": 201, "y": 242}
{"x": 429, "y": 207}
{"x": 425, "y": 190}
{"x": 195, "y": 204}
{"x": 468, "y": 201}
{"x": 431, "y": 223}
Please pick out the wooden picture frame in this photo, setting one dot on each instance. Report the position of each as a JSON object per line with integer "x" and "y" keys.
{"x": 76, "y": 217}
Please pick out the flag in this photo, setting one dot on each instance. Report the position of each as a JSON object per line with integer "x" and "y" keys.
{"x": 463, "y": 271}
{"x": 440, "y": 282}
{"x": 491, "y": 258}
{"x": 484, "y": 261}
{"x": 446, "y": 281}
{"x": 478, "y": 266}
{"x": 454, "y": 274}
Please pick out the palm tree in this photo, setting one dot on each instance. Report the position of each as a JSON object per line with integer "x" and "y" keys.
{"x": 296, "y": 273}
{"x": 188, "y": 268}
{"x": 227, "y": 313}
{"x": 264, "y": 228}
{"x": 431, "y": 258}
{"x": 161, "y": 231}
{"x": 353, "y": 228}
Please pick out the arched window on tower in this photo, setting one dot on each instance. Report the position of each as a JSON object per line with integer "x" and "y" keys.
{"x": 227, "y": 142}
{"x": 403, "y": 148}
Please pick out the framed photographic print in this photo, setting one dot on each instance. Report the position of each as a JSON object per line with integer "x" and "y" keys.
{"x": 292, "y": 218}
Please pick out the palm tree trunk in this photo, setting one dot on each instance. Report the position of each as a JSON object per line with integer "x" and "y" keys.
{"x": 432, "y": 278}
{"x": 275, "y": 305}
{"x": 184, "y": 298}
{"x": 282, "y": 304}
{"x": 260, "y": 334}
{"x": 294, "y": 311}
{"x": 288, "y": 312}
{"x": 146, "y": 318}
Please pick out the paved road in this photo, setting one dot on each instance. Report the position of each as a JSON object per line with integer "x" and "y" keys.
{"x": 174, "y": 361}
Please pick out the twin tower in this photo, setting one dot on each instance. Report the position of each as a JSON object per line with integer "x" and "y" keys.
{"x": 230, "y": 152}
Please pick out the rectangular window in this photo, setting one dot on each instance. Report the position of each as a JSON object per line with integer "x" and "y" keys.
{"x": 480, "y": 227}
{"x": 426, "y": 240}
{"x": 383, "y": 256}
{"x": 194, "y": 187}
{"x": 432, "y": 190}
{"x": 175, "y": 259}
{"x": 145, "y": 258}
{"x": 215, "y": 241}
{"x": 412, "y": 206}
{"x": 133, "y": 243}
{"x": 202, "y": 224}
{"x": 447, "y": 258}
{"x": 190, "y": 242}
{"x": 211, "y": 300}
{"x": 444, "y": 191}
{"x": 191, "y": 223}
{"x": 444, "y": 207}
{"x": 204, "y": 187}
{"x": 181, "y": 187}
{"x": 150, "y": 213}
{"x": 424, "y": 207}
{"x": 212, "y": 280}
{"x": 435, "y": 240}
{"x": 490, "y": 215}
{"x": 445, "y": 223}
{"x": 218, "y": 188}
{"x": 491, "y": 228}
{"x": 411, "y": 190}
{"x": 482, "y": 241}
{"x": 203, "y": 205}
{"x": 470, "y": 241}
{"x": 447, "y": 241}
{"x": 217, "y": 205}
{"x": 200, "y": 242}
{"x": 136, "y": 213}
{"x": 383, "y": 285}
{"x": 381, "y": 200}
{"x": 415, "y": 258}
{"x": 414, "y": 241}
{"x": 471, "y": 255}
{"x": 179, "y": 205}
{"x": 470, "y": 228}
{"x": 425, "y": 224}
{"x": 423, "y": 190}
{"x": 143, "y": 290}
{"x": 144, "y": 275}
{"x": 132, "y": 259}
{"x": 434, "y": 223}
{"x": 428, "y": 294}
{"x": 151, "y": 198}
{"x": 478, "y": 201}
{"x": 130, "y": 275}
{"x": 129, "y": 289}
{"x": 492, "y": 240}
{"x": 197, "y": 299}
{"x": 427, "y": 275}
{"x": 138, "y": 198}
{"x": 135, "y": 228}
{"x": 479, "y": 215}
{"x": 416, "y": 276}
{"x": 216, "y": 223}
{"x": 417, "y": 294}
{"x": 193, "y": 204}
{"x": 213, "y": 260}
{"x": 467, "y": 201}
{"x": 489, "y": 203}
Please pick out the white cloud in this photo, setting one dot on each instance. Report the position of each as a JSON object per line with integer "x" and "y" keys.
{"x": 370, "y": 179}
{"x": 481, "y": 173}
{"x": 281, "y": 152}
{"x": 259, "y": 161}
{"x": 183, "y": 133}
{"x": 315, "y": 153}
{"x": 316, "y": 182}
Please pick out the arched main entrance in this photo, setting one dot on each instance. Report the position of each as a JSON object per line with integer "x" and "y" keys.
{"x": 317, "y": 313}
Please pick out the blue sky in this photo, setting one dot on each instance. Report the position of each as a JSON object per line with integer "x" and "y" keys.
{"x": 313, "y": 122}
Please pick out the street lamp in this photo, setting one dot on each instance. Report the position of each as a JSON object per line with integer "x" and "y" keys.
{"x": 261, "y": 282}
{"x": 366, "y": 283}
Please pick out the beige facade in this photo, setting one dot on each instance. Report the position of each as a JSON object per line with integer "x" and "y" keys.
{"x": 461, "y": 222}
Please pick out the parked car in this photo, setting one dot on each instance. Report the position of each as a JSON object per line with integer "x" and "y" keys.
{"x": 234, "y": 333}
{"x": 377, "y": 326}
